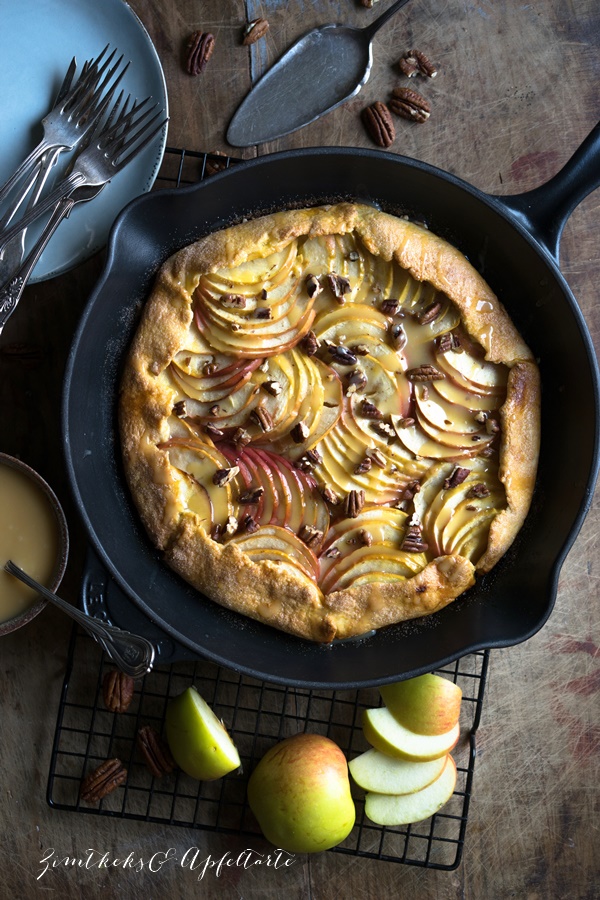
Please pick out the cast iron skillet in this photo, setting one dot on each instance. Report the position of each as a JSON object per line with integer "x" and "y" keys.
{"x": 513, "y": 241}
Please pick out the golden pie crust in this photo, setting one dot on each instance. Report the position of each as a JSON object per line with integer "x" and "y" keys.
{"x": 275, "y": 590}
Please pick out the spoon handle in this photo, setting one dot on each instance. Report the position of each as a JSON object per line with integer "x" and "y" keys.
{"x": 133, "y": 654}
{"x": 380, "y": 21}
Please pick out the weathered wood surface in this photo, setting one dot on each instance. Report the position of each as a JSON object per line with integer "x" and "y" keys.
{"x": 516, "y": 94}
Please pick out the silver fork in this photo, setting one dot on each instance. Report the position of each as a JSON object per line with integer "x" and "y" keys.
{"x": 111, "y": 148}
{"x": 71, "y": 118}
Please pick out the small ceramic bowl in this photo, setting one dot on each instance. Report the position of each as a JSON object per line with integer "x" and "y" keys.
{"x": 62, "y": 542}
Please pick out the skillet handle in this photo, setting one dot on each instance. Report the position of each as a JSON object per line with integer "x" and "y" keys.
{"x": 545, "y": 210}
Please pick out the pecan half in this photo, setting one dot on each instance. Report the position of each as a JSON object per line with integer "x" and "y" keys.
{"x": 430, "y": 313}
{"x": 342, "y": 355}
{"x": 408, "y": 104}
{"x": 364, "y": 465}
{"x": 330, "y": 496}
{"x": 108, "y": 776}
{"x": 262, "y": 417}
{"x": 117, "y": 690}
{"x": 155, "y": 751}
{"x": 356, "y": 381}
{"x": 199, "y": 50}
{"x": 390, "y": 306}
{"x": 448, "y": 341}
{"x": 369, "y": 410}
{"x": 254, "y": 30}
{"x": 416, "y": 63}
{"x": 249, "y": 525}
{"x": 412, "y": 488}
{"x": 241, "y": 438}
{"x": 413, "y": 541}
{"x": 398, "y": 337}
{"x": 379, "y": 124}
{"x": 423, "y": 373}
{"x": 377, "y": 457}
{"x": 353, "y": 503}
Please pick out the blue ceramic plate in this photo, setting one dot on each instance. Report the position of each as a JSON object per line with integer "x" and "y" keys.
{"x": 38, "y": 39}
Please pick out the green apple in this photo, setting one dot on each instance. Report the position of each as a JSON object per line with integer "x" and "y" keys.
{"x": 300, "y": 794}
{"x": 198, "y": 740}
{"x": 382, "y": 774}
{"x": 428, "y": 704}
{"x": 386, "y": 734}
{"x": 403, "y": 809}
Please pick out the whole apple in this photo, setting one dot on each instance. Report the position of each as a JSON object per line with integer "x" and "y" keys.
{"x": 300, "y": 794}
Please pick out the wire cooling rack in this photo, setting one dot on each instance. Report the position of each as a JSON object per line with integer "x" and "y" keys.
{"x": 257, "y": 715}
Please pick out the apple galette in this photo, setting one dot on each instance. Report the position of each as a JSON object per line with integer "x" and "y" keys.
{"x": 329, "y": 422}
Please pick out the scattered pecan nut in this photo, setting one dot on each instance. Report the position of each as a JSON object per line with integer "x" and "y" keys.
{"x": 224, "y": 476}
{"x": 413, "y": 541}
{"x": 416, "y": 63}
{"x": 117, "y": 690}
{"x": 430, "y": 313}
{"x": 379, "y": 124}
{"x": 199, "y": 50}
{"x": 457, "y": 477}
{"x": 254, "y": 30}
{"x": 212, "y": 166}
{"x": 310, "y": 535}
{"x": 310, "y": 344}
{"x": 338, "y": 285}
{"x": 103, "y": 780}
{"x": 155, "y": 751}
{"x": 424, "y": 373}
{"x": 353, "y": 503}
{"x": 313, "y": 286}
{"x": 408, "y": 104}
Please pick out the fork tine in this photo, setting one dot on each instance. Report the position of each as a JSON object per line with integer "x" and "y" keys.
{"x": 67, "y": 82}
{"x": 145, "y": 137}
{"x": 88, "y": 101}
{"x": 89, "y": 76}
{"x": 125, "y": 121}
{"x": 139, "y": 128}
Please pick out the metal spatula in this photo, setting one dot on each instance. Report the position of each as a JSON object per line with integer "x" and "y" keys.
{"x": 318, "y": 73}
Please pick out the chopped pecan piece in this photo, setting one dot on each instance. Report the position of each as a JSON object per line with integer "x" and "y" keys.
{"x": 365, "y": 537}
{"x": 199, "y": 50}
{"x": 213, "y": 432}
{"x": 332, "y": 553}
{"x": 310, "y": 344}
{"x": 310, "y": 535}
{"x": 364, "y": 466}
{"x": 416, "y": 63}
{"x": 252, "y": 495}
{"x": 370, "y": 411}
{"x": 338, "y": 285}
{"x": 272, "y": 387}
{"x": 216, "y": 532}
{"x": 398, "y": 337}
{"x": 254, "y": 31}
{"x": 241, "y": 438}
{"x": 309, "y": 460}
{"x": 215, "y": 409}
{"x": 448, "y": 341}
{"x": 353, "y": 503}
{"x": 262, "y": 417}
{"x": 379, "y": 124}
{"x": 209, "y": 368}
{"x": 330, "y": 496}
{"x": 155, "y": 751}
{"x": 413, "y": 541}
{"x": 430, "y": 313}
{"x": 492, "y": 426}
{"x": 179, "y": 409}
{"x": 224, "y": 476}
{"x": 423, "y": 373}
{"x": 355, "y": 381}
{"x": 230, "y": 526}
{"x": 412, "y": 488}
{"x": 359, "y": 349}
{"x": 108, "y": 776}
{"x": 215, "y": 165}
{"x": 299, "y": 433}
{"x": 457, "y": 477}
{"x": 478, "y": 490}
{"x": 405, "y": 422}
{"x": 390, "y": 306}
{"x": 384, "y": 429}
{"x": 313, "y": 286}
{"x": 249, "y": 525}
{"x": 342, "y": 355}
{"x": 408, "y": 104}
{"x": 263, "y": 312}
{"x": 117, "y": 690}
{"x": 233, "y": 301}
{"x": 378, "y": 458}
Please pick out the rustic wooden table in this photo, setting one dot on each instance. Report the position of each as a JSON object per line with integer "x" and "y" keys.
{"x": 516, "y": 93}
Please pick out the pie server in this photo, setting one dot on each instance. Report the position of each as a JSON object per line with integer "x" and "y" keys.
{"x": 322, "y": 70}
{"x": 513, "y": 241}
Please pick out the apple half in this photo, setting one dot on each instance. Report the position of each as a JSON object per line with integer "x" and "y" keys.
{"x": 198, "y": 740}
{"x": 427, "y": 704}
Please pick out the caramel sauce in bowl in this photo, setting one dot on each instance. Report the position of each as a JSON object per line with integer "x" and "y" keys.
{"x": 33, "y": 533}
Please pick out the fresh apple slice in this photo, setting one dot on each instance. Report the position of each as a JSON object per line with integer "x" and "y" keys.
{"x": 404, "y": 809}
{"x": 381, "y": 774}
{"x": 385, "y": 733}
{"x": 427, "y": 704}
{"x": 198, "y": 740}
{"x": 453, "y": 393}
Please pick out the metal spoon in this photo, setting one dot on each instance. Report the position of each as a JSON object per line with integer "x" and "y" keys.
{"x": 133, "y": 654}
{"x": 318, "y": 73}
